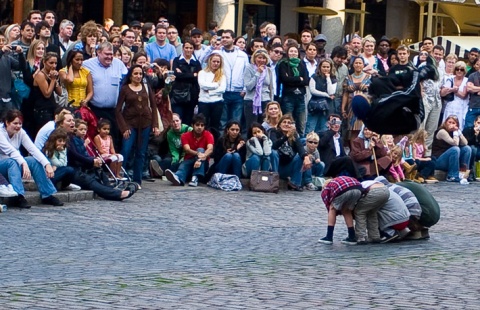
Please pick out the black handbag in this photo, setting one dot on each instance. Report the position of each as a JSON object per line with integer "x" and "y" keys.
{"x": 181, "y": 94}
{"x": 450, "y": 96}
{"x": 317, "y": 105}
{"x": 285, "y": 150}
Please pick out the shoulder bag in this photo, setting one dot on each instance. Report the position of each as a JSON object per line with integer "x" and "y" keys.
{"x": 264, "y": 181}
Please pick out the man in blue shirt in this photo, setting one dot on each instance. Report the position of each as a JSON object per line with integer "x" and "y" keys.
{"x": 160, "y": 48}
{"x": 107, "y": 74}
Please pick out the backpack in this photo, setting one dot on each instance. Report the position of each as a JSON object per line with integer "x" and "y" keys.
{"x": 225, "y": 182}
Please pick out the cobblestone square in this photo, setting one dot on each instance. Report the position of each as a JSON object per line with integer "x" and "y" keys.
{"x": 198, "y": 248}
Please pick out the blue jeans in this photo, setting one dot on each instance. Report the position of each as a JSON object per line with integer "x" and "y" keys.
{"x": 232, "y": 108}
{"x": 316, "y": 170}
{"x": 230, "y": 163}
{"x": 295, "y": 105}
{"x": 426, "y": 168}
{"x": 274, "y": 160}
{"x": 470, "y": 116}
{"x": 473, "y": 158}
{"x": 292, "y": 170}
{"x": 452, "y": 159}
{"x": 139, "y": 151}
{"x": 185, "y": 170}
{"x": 64, "y": 175}
{"x": 12, "y": 171}
{"x": 337, "y": 105}
{"x": 256, "y": 162}
{"x": 316, "y": 122}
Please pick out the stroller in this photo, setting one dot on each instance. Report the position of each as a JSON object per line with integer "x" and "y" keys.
{"x": 117, "y": 182}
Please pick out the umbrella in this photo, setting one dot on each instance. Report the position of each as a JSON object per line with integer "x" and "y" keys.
{"x": 314, "y": 10}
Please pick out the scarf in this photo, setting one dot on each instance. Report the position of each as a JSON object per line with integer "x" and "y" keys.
{"x": 293, "y": 63}
{"x": 257, "y": 99}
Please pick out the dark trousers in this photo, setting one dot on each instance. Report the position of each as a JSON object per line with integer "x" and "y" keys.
{"x": 212, "y": 112}
{"x": 64, "y": 176}
{"x": 40, "y": 118}
{"x": 90, "y": 181}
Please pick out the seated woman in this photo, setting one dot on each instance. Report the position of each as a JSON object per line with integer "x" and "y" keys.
{"x": 473, "y": 138}
{"x": 365, "y": 148}
{"x": 84, "y": 165}
{"x": 290, "y": 153}
{"x": 451, "y": 149}
{"x": 259, "y": 149}
{"x": 14, "y": 166}
{"x": 229, "y": 151}
{"x": 56, "y": 152}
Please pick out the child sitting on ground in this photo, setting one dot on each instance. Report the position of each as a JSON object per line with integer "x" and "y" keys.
{"x": 396, "y": 171}
{"x": 317, "y": 165}
{"x": 425, "y": 165}
{"x": 104, "y": 144}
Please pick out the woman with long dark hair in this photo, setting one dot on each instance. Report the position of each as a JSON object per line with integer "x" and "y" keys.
{"x": 77, "y": 80}
{"x": 185, "y": 89}
{"x": 136, "y": 115}
{"x": 229, "y": 150}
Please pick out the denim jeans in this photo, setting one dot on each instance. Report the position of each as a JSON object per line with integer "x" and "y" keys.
{"x": 292, "y": 170}
{"x": 232, "y": 108}
{"x": 185, "y": 110}
{"x": 274, "y": 160}
{"x": 295, "y": 105}
{"x": 256, "y": 162}
{"x": 212, "y": 112}
{"x": 230, "y": 163}
{"x": 316, "y": 122}
{"x": 452, "y": 159}
{"x": 316, "y": 170}
{"x": 185, "y": 170}
{"x": 473, "y": 158}
{"x": 426, "y": 168}
{"x": 470, "y": 116}
{"x": 10, "y": 169}
{"x": 141, "y": 145}
{"x": 63, "y": 175}
{"x": 248, "y": 112}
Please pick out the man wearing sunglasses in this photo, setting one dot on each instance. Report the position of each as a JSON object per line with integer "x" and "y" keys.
{"x": 275, "y": 53}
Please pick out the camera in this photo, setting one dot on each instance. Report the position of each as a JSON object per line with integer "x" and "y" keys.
{"x": 170, "y": 73}
{"x": 14, "y": 47}
{"x": 152, "y": 66}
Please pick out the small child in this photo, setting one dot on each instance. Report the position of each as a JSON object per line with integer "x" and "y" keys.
{"x": 104, "y": 144}
{"x": 56, "y": 151}
{"x": 395, "y": 169}
{"x": 388, "y": 142}
{"x": 425, "y": 165}
{"x": 317, "y": 165}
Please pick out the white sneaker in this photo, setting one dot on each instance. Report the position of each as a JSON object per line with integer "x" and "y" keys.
{"x": 194, "y": 181}
{"x": 73, "y": 187}
{"x": 12, "y": 191}
{"x": 6, "y": 192}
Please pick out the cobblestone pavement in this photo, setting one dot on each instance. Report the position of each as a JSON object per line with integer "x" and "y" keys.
{"x": 198, "y": 248}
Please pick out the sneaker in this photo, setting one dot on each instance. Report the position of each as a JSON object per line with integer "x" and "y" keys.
{"x": 431, "y": 180}
{"x": 349, "y": 241}
{"x": 72, "y": 187}
{"x": 172, "y": 177}
{"x": 52, "y": 200}
{"x": 403, "y": 233}
{"x": 453, "y": 179}
{"x": 22, "y": 202}
{"x": 388, "y": 238}
{"x": 325, "y": 240}
{"x": 311, "y": 187}
{"x": 194, "y": 181}
{"x": 7, "y": 192}
{"x": 155, "y": 170}
{"x": 362, "y": 241}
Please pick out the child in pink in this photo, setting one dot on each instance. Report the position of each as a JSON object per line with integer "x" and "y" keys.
{"x": 103, "y": 143}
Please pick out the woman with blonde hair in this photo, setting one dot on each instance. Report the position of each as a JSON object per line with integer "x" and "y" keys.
{"x": 212, "y": 84}
{"x": 455, "y": 95}
{"x": 259, "y": 86}
{"x": 12, "y": 33}
{"x": 126, "y": 56}
{"x": 373, "y": 65}
{"x": 273, "y": 113}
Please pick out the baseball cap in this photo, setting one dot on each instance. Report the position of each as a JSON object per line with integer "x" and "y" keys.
{"x": 135, "y": 23}
{"x": 196, "y": 31}
{"x": 320, "y": 37}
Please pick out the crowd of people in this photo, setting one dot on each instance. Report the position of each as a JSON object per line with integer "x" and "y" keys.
{"x": 148, "y": 102}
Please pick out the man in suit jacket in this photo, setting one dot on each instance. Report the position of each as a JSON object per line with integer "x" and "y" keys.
{"x": 332, "y": 153}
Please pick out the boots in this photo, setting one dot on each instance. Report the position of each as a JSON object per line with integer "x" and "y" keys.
{"x": 408, "y": 169}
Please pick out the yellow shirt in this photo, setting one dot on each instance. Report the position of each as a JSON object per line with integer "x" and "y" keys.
{"x": 78, "y": 89}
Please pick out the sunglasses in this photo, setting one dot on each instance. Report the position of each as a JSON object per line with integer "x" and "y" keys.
{"x": 460, "y": 69}
{"x": 312, "y": 142}
{"x": 423, "y": 54}
{"x": 163, "y": 20}
{"x": 277, "y": 52}
{"x": 172, "y": 32}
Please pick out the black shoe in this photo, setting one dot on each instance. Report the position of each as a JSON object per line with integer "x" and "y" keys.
{"x": 22, "y": 203}
{"x": 52, "y": 200}
{"x": 294, "y": 187}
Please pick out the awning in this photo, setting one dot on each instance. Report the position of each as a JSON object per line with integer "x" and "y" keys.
{"x": 459, "y": 46}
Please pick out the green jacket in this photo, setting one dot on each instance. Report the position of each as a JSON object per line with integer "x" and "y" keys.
{"x": 175, "y": 143}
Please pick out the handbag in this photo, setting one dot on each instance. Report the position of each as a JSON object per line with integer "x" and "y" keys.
{"x": 286, "y": 150}
{"x": 225, "y": 182}
{"x": 181, "y": 94}
{"x": 62, "y": 100}
{"x": 317, "y": 105}
{"x": 451, "y": 96}
{"x": 264, "y": 181}
{"x": 20, "y": 91}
